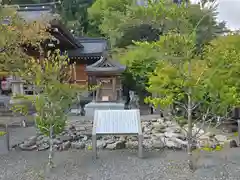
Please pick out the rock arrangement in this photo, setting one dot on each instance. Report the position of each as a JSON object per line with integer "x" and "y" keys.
{"x": 157, "y": 134}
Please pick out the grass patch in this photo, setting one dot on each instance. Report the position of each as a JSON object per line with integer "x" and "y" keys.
{"x": 2, "y": 133}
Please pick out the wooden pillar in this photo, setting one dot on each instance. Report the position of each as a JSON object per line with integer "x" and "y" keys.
{"x": 120, "y": 93}
{"x": 120, "y": 89}
{"x": 97, "y": 90}
{"x": 114, "y": 88}
{"x": 74, "y": 73}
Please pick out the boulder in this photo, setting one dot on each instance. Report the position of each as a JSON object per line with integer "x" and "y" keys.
{"x": 206, "y": 141}
{"x": 221, "y": 138}
{"x": 171, "y": 144}
{"x": 158, "y": 144}
{"x": 120, "y": 144}
{"x": 110, "y": 141}
{"x": 30, "y": 141}
{"x": 84, "y": 138}
{"x": 147, "y": 144}
{"x": 132, "y": 144}
{"x": 154, "y": 120}
{"x": 65, "y": 146}
{"x": 147, "y": 136}
{"x": 23, "y": 147}
{"x": 174, "y": 135}
{"x": 169, "y": 123}
{"x": 101, "y": 144}
{"x": 81, "y": 128}
{"x": 147, "y": 130}
{"x": 158, "y": 135}
{"x": 134, "y": 138}
{"x": 123, "y": 138}
{"x": 160, "y": 120}
{"x": 181, "y": 143}
{"x": 210, "y": 134}
{"x": 116, "y": 145}
{"x": 65, "y": 138}
{"x": 78, "y": 145}
{"x": 43, "y": 147}
{"x": 111, "y": 146}
{"x": 158, "y": 127}
{"x": 233, "y": 144}
{"x": 56, "y": 141}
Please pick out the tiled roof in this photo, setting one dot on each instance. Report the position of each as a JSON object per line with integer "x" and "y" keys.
{"x": 106, "y": 65}
{"x": 83, "y": 46}
{"x": 91, "y": 47}
{"x": 31, "y": 12}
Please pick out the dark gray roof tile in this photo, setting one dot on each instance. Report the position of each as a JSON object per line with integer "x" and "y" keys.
{"x": 106, "y": 65}
{"x": 91, "y": 47}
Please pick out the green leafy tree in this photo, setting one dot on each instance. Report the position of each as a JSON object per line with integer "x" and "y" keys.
{"x": 17, "y": 38}
{"x": 124, "y": 21}
{"x": 74, "y": 15}
{"x": 181, "y": 78}
{"x": 132, "y": 23}
{"x": 54, "y": 95}
{"x": 140, "y": 60}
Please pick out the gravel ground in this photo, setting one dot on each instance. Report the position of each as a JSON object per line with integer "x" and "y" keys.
{"x": 115, "y": 165}
{"x": 118, "y": 165}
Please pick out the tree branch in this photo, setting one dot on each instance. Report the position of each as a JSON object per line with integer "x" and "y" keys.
{"x": 181, "y": 105}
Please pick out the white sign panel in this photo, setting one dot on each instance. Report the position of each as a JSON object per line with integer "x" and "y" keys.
{"x": 117, "y": 121}
{"x": 105, "y": 98}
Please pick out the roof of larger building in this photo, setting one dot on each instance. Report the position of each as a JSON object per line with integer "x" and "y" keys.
{"x": 35, "y": 12}
{"x": 81, "y": 46}
{"x": 92, "y": 46}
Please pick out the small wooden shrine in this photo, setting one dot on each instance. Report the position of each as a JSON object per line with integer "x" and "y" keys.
{"x": 105, "y": 75}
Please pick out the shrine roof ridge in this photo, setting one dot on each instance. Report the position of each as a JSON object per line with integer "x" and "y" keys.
{"x": 91, "y": 39}
{"x": 106, "y": 65}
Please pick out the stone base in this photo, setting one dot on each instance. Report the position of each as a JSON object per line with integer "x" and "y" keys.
{"x": 92, "y": 106}
{"x": 3, "y": 145}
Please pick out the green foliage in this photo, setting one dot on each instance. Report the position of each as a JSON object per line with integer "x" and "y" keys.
{"x": 74, "y": 15}
{"x": 222, "y": 57}
{"x": 181, "y": 121}
{"x": 144, "y": 24}
{"x": 138, "y": 67}
{"x": 209, "y": 149}
{"x": 2, "y": 133}
{"x": 16, "y": 37}
{"x": 123, "y": 21}
{"x": 210, "y": 80}
{"x": 54, "y": 96}
{"x": 170, "y": 80}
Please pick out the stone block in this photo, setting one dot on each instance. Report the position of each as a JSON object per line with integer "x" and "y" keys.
{"x": 92, "y": 106}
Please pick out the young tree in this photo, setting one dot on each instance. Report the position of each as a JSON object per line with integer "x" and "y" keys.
{"x": 54, "y": 94}
{"x": 181, "y": 78}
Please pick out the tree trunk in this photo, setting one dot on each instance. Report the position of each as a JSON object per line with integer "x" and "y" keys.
{"x": 189, "y": 115}
{"x": 189, "y": 136}
{"x": 50, "y": 156}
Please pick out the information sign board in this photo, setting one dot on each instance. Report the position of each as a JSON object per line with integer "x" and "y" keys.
{"x": 117, "y": 122}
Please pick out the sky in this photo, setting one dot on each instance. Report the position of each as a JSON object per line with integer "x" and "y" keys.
{"x": 229, "y": 11}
